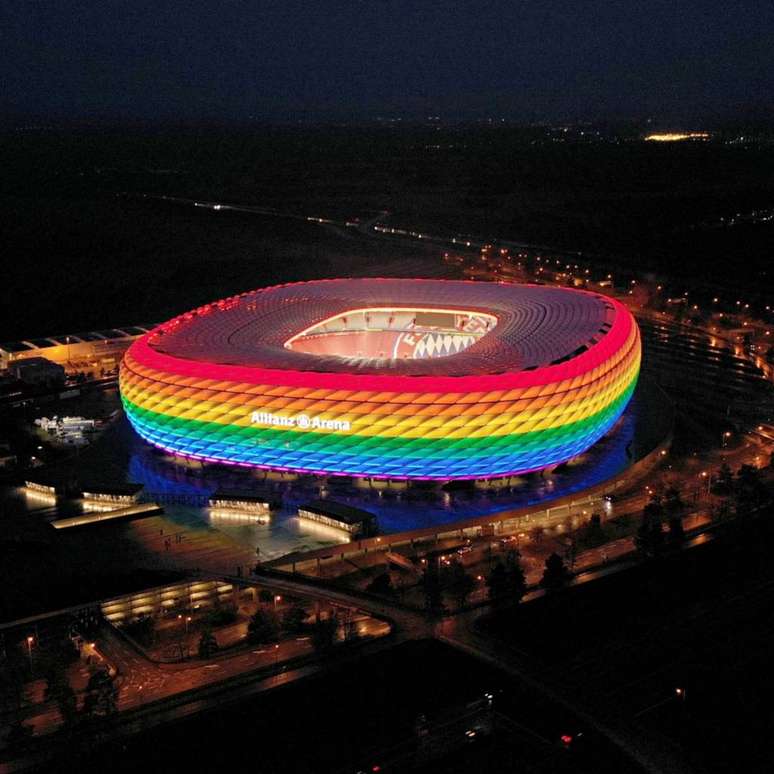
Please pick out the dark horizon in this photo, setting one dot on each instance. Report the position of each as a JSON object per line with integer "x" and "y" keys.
{"x": 259, "y": 62}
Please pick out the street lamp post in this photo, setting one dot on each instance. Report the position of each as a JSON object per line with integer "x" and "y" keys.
{"x": 708, "y": 477}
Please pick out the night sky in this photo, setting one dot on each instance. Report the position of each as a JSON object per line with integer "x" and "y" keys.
{"x": 288, "y": 59}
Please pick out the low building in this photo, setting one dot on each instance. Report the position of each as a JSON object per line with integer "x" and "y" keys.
{"x": 167, "y": 600}
{"x": 93, "y": 353}
{"x": 107, "y": 513}
{"x": 355, "y": 521}
{"x": 39, "y": 487}
{"x": 37, "y": 371}
{"x": 118, "y": 494}
{"x": 251, "y": 502}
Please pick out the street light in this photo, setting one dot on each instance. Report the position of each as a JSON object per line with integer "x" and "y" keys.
{"x": 30, "y": 640}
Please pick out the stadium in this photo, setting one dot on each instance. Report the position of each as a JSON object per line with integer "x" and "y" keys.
{"x": 386, "y": 378}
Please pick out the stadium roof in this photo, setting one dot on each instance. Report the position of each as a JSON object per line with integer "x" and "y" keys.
{"x": 536, "y": 326}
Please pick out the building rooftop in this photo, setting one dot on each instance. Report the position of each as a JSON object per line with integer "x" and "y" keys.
{"x": 247, "y": 495}
{"x": 339, "y": 511}
{"x": 37, "y": 362}
{"x": 124, "y": 490}
{"x": 75, "y": 338}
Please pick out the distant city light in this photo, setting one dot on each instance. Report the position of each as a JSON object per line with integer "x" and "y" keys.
{"x": 676, "y": 136}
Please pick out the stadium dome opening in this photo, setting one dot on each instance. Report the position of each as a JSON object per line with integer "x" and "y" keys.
{"x": 393, "y": 333}
{"x": 386, "y": 378}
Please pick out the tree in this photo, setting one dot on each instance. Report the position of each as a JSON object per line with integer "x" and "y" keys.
{"x": 749, "y": 490}
{"x": 593, "y": 534}
{"x": 516, "y": 581}
{"x": 649, "y": 539}
{"x": 431, "y": 584}
{"x": 101, "y": 697}
{"x": 556, "y": 575}
{"x": 324, "y": 633}
{"x": 571, "y": 551}
{"x": 294, "y": 619}
{"x": 12, "y": 670}
{"x": 673, "y": 502}
{"x": 59, "y": 690}
{"x": 724, "y": 481}
{"x": 497, "y": 583}
{"x": 208, "y": 644}
{"x": 460, "y": 583}
{"x": 263, "y": 627}
{"x": 381, "y": 584}
{"x": 221, "y": 615}
{"x": 674, "y": 507}
{"x": 676, "y": 533}
{"x": 507, "y": 582}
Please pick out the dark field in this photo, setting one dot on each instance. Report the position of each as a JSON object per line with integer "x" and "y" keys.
{"x": 83, "y": 248}
{"x": 361, "y": 715}
{"x": 700, "y": 622}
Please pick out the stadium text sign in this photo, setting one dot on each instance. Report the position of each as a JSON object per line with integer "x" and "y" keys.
{"x": 300, "y": 421}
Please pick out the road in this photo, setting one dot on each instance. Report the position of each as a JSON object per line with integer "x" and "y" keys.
{"x": 142, "y": 680}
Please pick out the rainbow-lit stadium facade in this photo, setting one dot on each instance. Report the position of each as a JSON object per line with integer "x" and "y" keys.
{"x": 386, "y": 378}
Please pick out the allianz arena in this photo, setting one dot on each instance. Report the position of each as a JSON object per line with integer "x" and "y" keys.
{"x": 386, "y": 378}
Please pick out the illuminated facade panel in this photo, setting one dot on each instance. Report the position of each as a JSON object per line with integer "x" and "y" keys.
{"x": 387, "y": 378}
